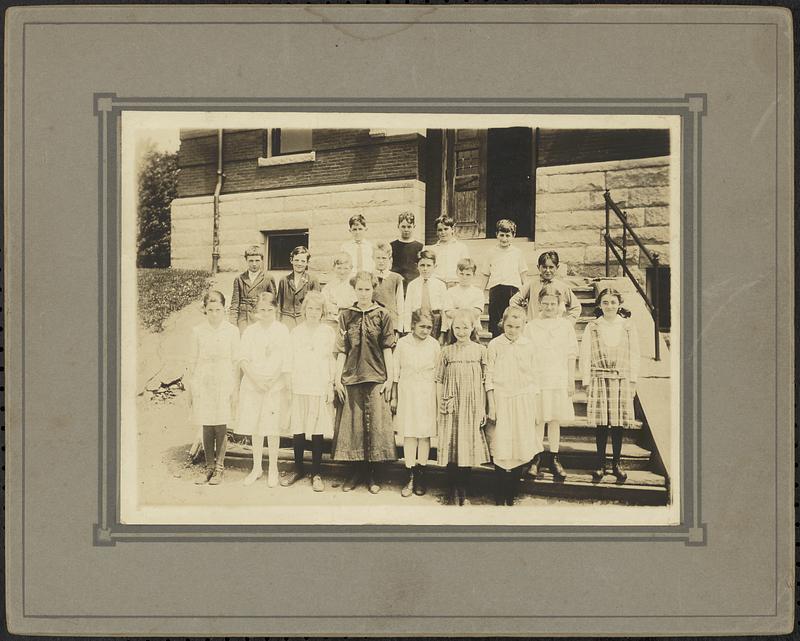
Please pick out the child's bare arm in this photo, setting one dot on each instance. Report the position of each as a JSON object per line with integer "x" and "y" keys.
{"x": 337, "y": 378}
{"x": 570, "y": 375}
{"x": 387, "y": 385}
{"x": 491, "y": 413}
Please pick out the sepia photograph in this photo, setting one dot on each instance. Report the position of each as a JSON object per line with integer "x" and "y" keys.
{"x": 399, "y": 319}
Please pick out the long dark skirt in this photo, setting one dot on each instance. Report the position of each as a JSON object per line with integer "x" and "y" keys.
{"x": 364, "y": 429}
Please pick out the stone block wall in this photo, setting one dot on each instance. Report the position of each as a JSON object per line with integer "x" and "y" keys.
{"x": 245, "y": 218}
{"x": 570, "y": 211}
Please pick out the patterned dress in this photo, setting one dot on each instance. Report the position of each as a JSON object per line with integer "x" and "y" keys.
{"x": 511, "y": 374}
{"x": 609, "y": 363}
{"x": 461, "y": 372}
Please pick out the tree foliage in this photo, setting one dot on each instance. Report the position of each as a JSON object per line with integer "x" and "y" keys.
{"x": 158, "y": 186}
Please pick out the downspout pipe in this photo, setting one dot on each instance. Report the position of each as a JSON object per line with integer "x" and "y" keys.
{"x": 217, "y": 191}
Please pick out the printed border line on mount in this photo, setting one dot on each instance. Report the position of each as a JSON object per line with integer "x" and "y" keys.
{"x": 108, "y": 530}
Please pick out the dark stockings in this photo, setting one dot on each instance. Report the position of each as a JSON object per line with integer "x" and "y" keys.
{"x": 316, "y": 453}
{"x": 299, "y": 446}
{"x": 616, "y": 443}
{"x": 601, "y": 437}
{"x": 215, "y": 442}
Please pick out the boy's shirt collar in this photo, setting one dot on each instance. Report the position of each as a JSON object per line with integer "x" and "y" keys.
{"x": 254, "y": 277}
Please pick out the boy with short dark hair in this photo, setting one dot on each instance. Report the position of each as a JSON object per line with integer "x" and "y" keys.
{"x": 405, "y": 249}
{"x": 506, "y": 272}
{"x": 358, "y": 248}
{"x": 448, "y": 251}
{"x": 247, "y": 286}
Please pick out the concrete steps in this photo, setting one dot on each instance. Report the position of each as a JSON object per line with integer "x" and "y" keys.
{"x": 644, "y": 486}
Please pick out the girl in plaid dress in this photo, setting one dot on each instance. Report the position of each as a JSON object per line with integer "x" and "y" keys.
{"x": 609, "y": 365}
{"x": 462, "y": 407}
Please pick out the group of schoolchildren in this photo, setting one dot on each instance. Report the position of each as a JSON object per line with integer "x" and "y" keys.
{"x": 390, "y": 344}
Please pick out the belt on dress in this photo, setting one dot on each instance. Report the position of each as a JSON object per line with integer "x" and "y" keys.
{"x": 606, "y": 372}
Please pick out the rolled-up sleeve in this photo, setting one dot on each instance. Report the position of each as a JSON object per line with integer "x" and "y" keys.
{"x": 440, "y": 365}
{"x": 387, "y": 331}
{"x": 339, "y": 346}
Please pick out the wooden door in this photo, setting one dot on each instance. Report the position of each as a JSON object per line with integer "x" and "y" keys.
{"x": 465, "y": 177}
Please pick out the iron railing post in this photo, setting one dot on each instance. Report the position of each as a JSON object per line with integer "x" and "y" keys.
{"x": 656, "y": 304}
{"x": 622, "y": 259}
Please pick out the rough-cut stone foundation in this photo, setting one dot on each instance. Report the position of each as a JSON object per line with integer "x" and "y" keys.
{"x": 570, "y": 211}
{"x": 246, "y": 217}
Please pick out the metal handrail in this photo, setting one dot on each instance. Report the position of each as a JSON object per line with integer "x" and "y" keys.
{"x": 620, "y": 252}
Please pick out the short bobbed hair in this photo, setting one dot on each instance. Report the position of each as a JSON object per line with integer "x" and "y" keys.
{"x": 365, "y": 276}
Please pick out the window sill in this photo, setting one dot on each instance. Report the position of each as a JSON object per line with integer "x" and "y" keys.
{"x": 288, "y": 159}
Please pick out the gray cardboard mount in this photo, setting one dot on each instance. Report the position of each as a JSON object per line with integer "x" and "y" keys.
{"x": 731, "y": 569}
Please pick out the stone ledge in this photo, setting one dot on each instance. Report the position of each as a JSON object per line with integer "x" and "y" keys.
{"x": 288, "y": 159}
{"x": 611, "y": 165}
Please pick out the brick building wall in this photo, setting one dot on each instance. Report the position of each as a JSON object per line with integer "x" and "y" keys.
{"x": 353, "y": 172}
{"x": 342, "y": 156}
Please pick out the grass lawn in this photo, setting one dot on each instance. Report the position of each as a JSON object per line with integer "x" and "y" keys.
{"x": 164, "y": 291}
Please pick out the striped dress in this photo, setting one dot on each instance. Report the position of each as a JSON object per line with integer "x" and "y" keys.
{"x": 461, "y": 372}
{"x": 609, "y": 363}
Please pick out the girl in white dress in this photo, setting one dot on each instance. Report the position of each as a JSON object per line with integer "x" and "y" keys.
{"x": 211, "y": 382}
{"x": 556, "y": 348}
{"x": 414, "y": 398}
{"x": 313, "y": 369}
{"x": 511, "y": 389}
{"x": 264, "y": 359}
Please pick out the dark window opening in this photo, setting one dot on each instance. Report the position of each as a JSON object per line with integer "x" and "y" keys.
{"x": 280, "y": 245}
{"x": 289, "y": 141}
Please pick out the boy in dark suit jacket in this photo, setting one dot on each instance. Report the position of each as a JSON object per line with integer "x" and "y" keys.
{"x": 292, "y": 288}
{"x": 248, "y": 286}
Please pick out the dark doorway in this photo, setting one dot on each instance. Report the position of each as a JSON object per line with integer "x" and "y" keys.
{"x": 510, "y": 186}
{"x": 434, "y": 148}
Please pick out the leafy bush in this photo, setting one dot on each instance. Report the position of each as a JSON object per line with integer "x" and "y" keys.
{"x": 163, "y": 291}
{"x": 158, "y": 186}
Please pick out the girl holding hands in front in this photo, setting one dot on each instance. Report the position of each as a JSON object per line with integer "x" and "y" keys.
{"x": 364, "y": 434}
{"x": 609, "y": 362}
{"x": 211, "y": 382}
{"x": 264, "y": 359}
{"x": 414, "y": 398}
{"x": 313, "y": 369}
{"x": 461, "y": 399}
{"x": 511, "y": 388}
{"x": 556, "y": 348}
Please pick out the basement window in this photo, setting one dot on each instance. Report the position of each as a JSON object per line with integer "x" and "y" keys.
{"x": 280, "y": 244}
{"x": 286, "y": 147}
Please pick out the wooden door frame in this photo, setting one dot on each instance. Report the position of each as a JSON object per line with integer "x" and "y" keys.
{"x": 449, "y": 176}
